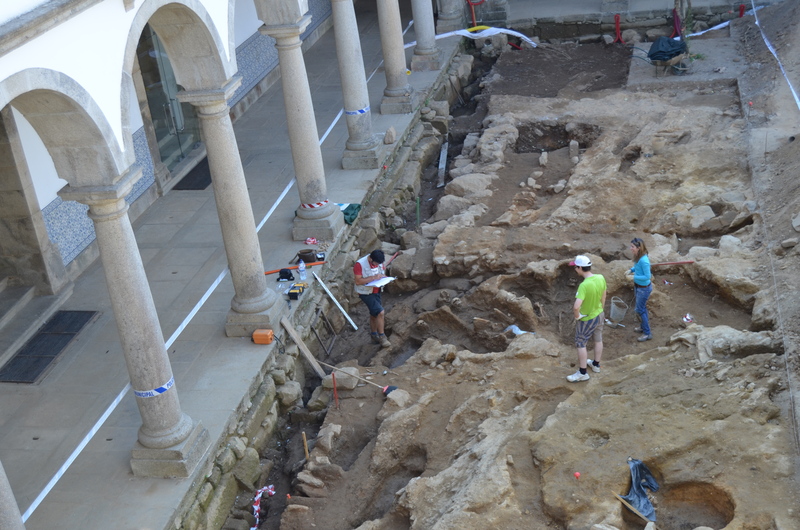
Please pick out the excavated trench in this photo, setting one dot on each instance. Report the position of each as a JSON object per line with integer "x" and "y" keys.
{"x": 465, "y": 311}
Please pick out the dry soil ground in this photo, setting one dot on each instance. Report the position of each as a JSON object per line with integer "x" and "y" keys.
{"x": 485, "y": 432}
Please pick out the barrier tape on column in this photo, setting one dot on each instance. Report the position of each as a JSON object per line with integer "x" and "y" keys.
{"x": 156, "y": 391}
{"x": 357, "y": 112}
{"x": 315, "y": 204}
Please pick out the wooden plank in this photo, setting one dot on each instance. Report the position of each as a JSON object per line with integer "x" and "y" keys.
{"x": 303, "y": 348}
{"x": 634, "y": 510}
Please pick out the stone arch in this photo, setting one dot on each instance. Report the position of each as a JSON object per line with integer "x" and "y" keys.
{"x": 72, "y": 126}
{"x": 194, "y": 46}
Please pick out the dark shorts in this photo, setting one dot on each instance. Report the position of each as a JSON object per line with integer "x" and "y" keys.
{"x": 589, "y": 328}
{"x": 373, "y": 302}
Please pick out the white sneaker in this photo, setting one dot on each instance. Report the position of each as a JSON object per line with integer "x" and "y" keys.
{"x": 577, "y": 376}
{"x": 595, "y": 369}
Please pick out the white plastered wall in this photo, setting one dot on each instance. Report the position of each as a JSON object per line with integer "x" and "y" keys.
{"x": 90, "y": 49}
{"x": 13, "y": 8}
{"x": 43, "y": 172}
{"x": 246, "y": 21}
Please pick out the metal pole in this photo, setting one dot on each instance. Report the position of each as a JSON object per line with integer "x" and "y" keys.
{"x": 335, "y": 301}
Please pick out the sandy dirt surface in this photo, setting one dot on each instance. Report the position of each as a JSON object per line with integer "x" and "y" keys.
{"x": 483, "y": 430}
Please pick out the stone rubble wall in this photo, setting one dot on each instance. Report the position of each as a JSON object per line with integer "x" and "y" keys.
{"x": 224, "y": 487}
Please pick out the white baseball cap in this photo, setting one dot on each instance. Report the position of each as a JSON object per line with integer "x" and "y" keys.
{"x": 581, "y": 261}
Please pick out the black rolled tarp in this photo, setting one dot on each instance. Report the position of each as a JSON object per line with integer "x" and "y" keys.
{"x": 664, "y": 49}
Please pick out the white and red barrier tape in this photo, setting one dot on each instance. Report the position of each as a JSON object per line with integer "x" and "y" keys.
{"x": 315, "y": 204}
{"x": 270, "y": 491}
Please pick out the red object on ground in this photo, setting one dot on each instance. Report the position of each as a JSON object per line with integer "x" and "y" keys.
{"x": 741, "y": 10}
{"x": 577, "y": 474}
{"x": 619, "y": 35}
{"x": 335, "y": 392}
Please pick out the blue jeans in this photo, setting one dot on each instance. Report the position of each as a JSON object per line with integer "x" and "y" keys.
{"x": 642, "y": 295}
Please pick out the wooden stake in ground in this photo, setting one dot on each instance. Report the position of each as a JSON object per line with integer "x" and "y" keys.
{"x": 303, "y": 348}
{"x": 305, "y": 446}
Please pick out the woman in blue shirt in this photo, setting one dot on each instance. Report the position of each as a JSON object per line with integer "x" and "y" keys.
{"x": 642, "y": 285}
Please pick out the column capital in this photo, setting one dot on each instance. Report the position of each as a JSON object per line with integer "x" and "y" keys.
{"x": 99, "y": 194}
{"x": 211, "y": 96}
{"x": 284, "y": 31}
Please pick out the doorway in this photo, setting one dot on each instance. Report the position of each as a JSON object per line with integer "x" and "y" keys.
{"x": 176, "y": 126}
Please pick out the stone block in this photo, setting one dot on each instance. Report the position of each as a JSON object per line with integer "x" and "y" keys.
{"x": 289, "y": 394}
{"x": 423, "y": 265}
{"x": 319, "y": 399}
{"x": 205, "y": 494}
{"x": 226, "y": 459}
{"x": 267, "y": 427}
{"x": 278, "y": 376}
{"x": 325, "y": 437}
{"x": 194, "y": 520}
{"x": 261, "y": 404}
{"x": 232, "y": 523}
{"x": 179, "y": 460}
{"x": 220, "y": 506}
{"x": 307, "y": 478}
{"x": 238, "y": 446}
{"x": 399, "y": 104}
{"x": 371, "y": 158}
{"x": 248, "y": 469}
{"x": 324, "y": 469}
{"x": 286, "y": 364}
{"x": 344, "y": 378}
{"x": 312, "y": 491}
{"x": 426, "y": 63}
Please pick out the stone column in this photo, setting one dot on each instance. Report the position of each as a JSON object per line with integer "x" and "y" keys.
{"x": 362, "y": 151}
{"x": 317, "y": 216}
{"x": 10, "y": 518}
{"x": 426, "y": 55}
{"x": 253, "y": 305}
{"x": 397, "y": 97}
{"x": 451, "y": 16}
{"x": 170, "y": 443}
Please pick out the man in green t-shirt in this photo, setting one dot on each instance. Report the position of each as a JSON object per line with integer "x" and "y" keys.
{"x": 589, "y": 316}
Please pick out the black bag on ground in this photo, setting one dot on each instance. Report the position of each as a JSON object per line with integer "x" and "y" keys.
{"x": 285, "y": 275}
{"x": 641, "y": 478}
{"x": 664, "y": 49}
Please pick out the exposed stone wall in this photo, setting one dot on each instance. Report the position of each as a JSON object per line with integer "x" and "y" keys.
{"x": 223, "y": 492}
{"x": 603, "y": 22}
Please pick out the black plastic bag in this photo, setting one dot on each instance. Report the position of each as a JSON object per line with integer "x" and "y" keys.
{"x": 664, "y": 49}
{"x": 641, "y": 478}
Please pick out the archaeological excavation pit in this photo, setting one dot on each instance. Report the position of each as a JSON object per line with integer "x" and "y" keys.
{"x": 484, "y": 430}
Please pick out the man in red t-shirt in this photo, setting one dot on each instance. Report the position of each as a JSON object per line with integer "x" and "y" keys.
{"x": 366, "y": 270}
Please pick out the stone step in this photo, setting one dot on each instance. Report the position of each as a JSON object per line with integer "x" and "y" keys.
{"x": 27, "y": 319}
{"x": 12, "y": 300}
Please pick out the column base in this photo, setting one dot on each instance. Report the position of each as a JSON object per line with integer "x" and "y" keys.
{"x": 327, "y": 228}
{"x": 371, "y": 158}
{"x": 426, "y": 63}
{"x": 244, "y": 324}
{"x": 399, "y": 104}
{"x": 179, "y": 460}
